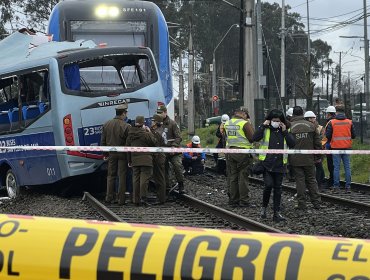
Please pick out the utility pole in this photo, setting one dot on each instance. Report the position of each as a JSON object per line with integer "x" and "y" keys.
{"x": 308, "y": 50}
{"x": 367, "y": 93}
{"x": 181, "y": 91}
{"x": 249, "y": 69}
{"x": 332, "y": 86}
{"x": 241, "y": 48}
{"x": 327, "y": 81}
{"x": 261, "y": 83}
{"x": 191, "y": 115}
{"x": 282, "y": 66}
{"x": 340, "y": 74}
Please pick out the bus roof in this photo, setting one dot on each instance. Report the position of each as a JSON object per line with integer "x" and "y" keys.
{"x": 20, "y": 47}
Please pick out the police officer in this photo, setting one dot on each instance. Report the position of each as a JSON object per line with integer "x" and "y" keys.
{"x": 340, "y": 132}
{"x": 141, "y": 162}
{"x": 115, "y": 133}
{"x": 159, "y": 159}
{"x": 306, "y": 138}
{"x": 239, "y": 131}
{"x": 172, "y": 138}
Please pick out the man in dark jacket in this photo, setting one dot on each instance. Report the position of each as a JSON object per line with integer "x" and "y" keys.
{"x": 172, "y": 138}
{"x": 115, "y": 133}
{"x": 275, "y": 136}
{"x": 159, "y": 159}
{"x": 141, "y": 162}
{"x": 340, "y": 132}
{"x": 330, "y": 115}
{"x": 307, "y": 138}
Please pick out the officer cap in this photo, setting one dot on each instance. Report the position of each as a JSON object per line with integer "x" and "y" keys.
{"x": 157, "y": 118}
{"x": 161, "y": 108}
{"x": 140, "y": 120}
{"x": 122, "y": 106}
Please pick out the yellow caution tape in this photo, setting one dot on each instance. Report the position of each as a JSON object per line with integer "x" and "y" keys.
{"x": 48, "y": 248}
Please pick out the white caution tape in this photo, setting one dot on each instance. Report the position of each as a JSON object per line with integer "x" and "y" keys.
{"x": 179, "y": 150}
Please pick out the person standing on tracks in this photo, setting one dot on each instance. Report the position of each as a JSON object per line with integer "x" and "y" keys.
{"x": 114, "y": 133}
{"x": 330, "y": 115}
{"x": 172, "y": 138}
{"x": 340, "y": 132}
{"x": 320, "y": 173}
{"x": 239, "y": 132}
{"x": 274, "y": 135}
{"x": 141, "y": 162}
{"x": 306, "y": 138}
{"x": 194, "y": 162}
{"x": 290, "y": 173}
{"x": 220, "y": 134}
{"x": 159, "y": 159}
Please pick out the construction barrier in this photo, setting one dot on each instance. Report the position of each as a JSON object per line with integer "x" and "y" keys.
{"x": 48, "y": 248}
{"x": 178, "y": 150}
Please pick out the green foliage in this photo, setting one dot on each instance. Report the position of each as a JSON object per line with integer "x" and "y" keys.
{"x": 207, "y": 136}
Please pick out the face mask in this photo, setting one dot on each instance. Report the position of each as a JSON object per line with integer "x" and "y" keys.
{"x": 275, "y": 124}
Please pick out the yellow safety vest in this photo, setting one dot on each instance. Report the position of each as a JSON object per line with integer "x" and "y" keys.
{"x": 265, "y": 145}
{"x": 235, "y": 136}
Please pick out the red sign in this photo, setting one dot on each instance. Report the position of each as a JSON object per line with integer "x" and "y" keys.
{"x": 215, "y": 98}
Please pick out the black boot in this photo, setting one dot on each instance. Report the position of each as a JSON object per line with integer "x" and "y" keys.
{"x": 181, "y": 187}
{"x": 278, "y": 217}
{"x": 263, "y": 213}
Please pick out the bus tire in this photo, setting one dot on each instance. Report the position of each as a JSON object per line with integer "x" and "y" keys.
{"x": 12, "y": 187}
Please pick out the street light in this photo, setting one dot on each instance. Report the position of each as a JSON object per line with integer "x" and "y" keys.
{"x": 214, "y": 60}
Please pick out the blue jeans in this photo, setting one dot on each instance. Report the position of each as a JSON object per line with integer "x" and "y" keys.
{"x": 347, "y": 169}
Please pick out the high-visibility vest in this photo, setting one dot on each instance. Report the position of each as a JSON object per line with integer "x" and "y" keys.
{"x": 190, "y": 145}
{"x": 265, "y": 145}
{"x": 342, "y": 136}
{"x": 235, "y": 136}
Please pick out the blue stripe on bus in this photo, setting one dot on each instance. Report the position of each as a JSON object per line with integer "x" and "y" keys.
{"x": 31, "y": 167}
{"x": 54, "y": 24}
{"x": 164, "y": 57}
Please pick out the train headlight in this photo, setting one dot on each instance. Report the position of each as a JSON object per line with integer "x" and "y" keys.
{"x": 113, "y": 11}
{"x": 101, "y": 11}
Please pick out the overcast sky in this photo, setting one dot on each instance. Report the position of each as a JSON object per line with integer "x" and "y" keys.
{"x": 328, "y": 13}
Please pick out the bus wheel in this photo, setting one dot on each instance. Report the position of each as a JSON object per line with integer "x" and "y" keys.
{"x": 11, "y": 184}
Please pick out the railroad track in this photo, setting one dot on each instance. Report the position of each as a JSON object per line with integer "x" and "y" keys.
{"x": 359, "y": 198}
{"x": 185, "y": 211}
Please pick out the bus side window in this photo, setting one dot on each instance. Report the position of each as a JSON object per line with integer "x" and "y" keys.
{"x": 72, "y": 77}
{"x": 8, "y": 101}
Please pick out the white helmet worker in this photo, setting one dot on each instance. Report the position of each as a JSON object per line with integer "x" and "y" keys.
{"x": 225, "y": 118}
{"x": 331, "y": 109}
{"x": 195, "y": 140}
{"x": 309, "y": 114}
{"x": 289, "y": 113}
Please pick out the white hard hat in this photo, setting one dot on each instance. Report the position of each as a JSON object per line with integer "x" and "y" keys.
{"x": 289, "y": 113}
{"x": 309, "y": 114}
{"x": 331, "y": 109}
{"x": 225, "y": 118}
{"x": 195, "y": 139}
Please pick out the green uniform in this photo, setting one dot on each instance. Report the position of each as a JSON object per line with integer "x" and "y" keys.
{"x": 159, "y": 162}
{"x": 115, "y": 133}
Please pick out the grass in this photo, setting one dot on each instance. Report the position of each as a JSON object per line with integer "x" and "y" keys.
{"x": 360, "y": 164}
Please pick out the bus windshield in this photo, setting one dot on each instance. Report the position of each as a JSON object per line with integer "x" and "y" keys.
{"x": 124, "y": 33}
{"x": 102, "y": 75}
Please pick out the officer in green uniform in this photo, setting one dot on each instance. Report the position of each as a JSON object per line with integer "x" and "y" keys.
{"x": 115, "y": 133}
{"x": 159, "y": 159}
{"x": 239, "y": 131}
{"x": 172, "y": 138}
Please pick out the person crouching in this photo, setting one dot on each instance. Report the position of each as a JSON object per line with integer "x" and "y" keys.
{"x": 194, "y": 162}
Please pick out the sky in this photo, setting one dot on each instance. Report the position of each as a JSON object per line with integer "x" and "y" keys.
{"x": 327, "y": 13}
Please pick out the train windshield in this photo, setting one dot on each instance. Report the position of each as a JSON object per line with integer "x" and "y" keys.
{"x": 108, "y": 74}
{"x": 123, "y": 33}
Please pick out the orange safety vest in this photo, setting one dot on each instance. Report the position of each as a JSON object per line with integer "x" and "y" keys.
{"x": 190, "y": 145}
{"x": 342, "y": 136}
